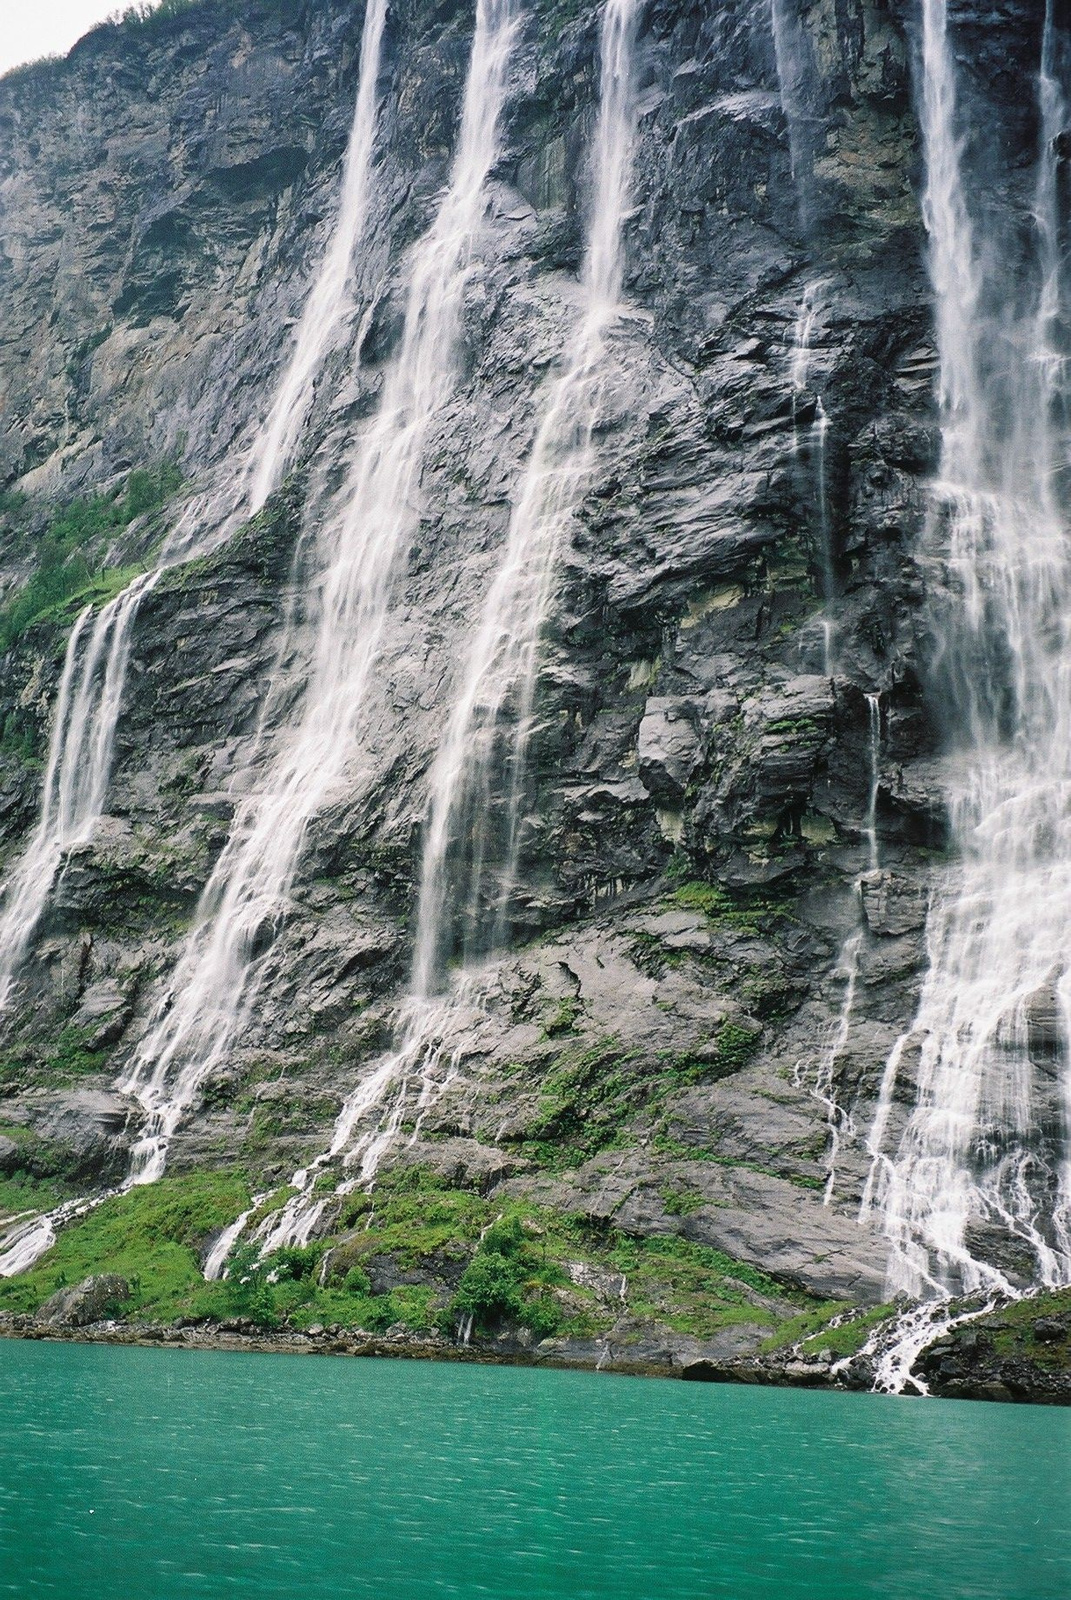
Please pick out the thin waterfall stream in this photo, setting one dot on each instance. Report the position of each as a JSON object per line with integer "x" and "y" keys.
{"x": 810, "y": 449}
{"x": 90, "y": 696}
{"x": 990, "y": 1042}
{"x": 839, "y": 1121}
{"x": 357, "y": 557}
{"x": 472, "y": 846}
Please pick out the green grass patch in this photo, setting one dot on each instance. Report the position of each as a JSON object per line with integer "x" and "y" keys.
{"x": 152, "y": 1236}
{"x": 811, "y": 1330}
{"x": 22, "y": 1192}
{"x": 746, "y": 914}
{"x": 508, "y": 1259}
{"x": 1012, "y": 1330}
{"x": 65, "y": 574}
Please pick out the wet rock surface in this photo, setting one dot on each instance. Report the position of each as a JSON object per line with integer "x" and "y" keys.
{"x": 696, "y": 846}
{"x": 1020, "y": 1352}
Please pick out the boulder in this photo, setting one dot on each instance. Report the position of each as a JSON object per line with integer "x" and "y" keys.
{"x": 92, "y": 1300}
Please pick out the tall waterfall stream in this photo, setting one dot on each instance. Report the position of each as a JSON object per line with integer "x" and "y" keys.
{"x": 994, "y": 1019}
{"x": 478, "y": 777}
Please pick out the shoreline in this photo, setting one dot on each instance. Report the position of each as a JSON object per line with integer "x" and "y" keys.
{"x": 1016, "y": 1382}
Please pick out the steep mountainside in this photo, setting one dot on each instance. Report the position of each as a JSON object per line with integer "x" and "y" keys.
{"x": 655, "y": 1088}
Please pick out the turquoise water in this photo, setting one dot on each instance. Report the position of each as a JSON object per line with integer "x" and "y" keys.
{"x": 152, "y": 1474}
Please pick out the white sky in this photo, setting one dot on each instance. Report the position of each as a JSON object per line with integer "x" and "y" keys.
{"x": 33, "y": 28}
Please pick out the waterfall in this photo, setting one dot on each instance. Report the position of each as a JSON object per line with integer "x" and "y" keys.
{"x": 470, "y": 858}
{"x": 487, "y": 737}
{"x": 792, "y": 58}
{"x": 824, "y": 1088}
{"x": 78, "y": 769}
{"x": 478, "y": 781}
{"x": 815, "y": 467}
{"x": 93, "y": 680}
{"x": 328, "y": 300}
{"x": 358, "y": 553}
{"x": 985, "y": 1148}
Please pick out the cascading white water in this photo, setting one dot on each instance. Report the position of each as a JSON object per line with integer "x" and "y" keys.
{"x": 92, "y": 683}
{"x": 490, "y": 726}
{"x": 478, "y": 779}
{"x": 79, "y": 765}
{"x": 358, "y": 554}
{"x": 470, "y": 858}
{"x": 839, "y": 1123}
{"x": 799, "y": 368}
{"x": 814, "y": 447}
{"x": 987, "y": 1144}
{"x": 328, "y": 300}
{"x": 91, "y": 688}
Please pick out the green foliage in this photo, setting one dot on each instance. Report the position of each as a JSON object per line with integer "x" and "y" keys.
{"x": 296, "y": 1262}
{"x": 748, "y": 915}
{"x": 565, "y": 1018}
{"x": 592, "y": 1099}
{"x": 507, "y": 1281}
{"x": 678, "y": 866}
{"x": 811, "y": 1330}
{"x": 1012, "y": 1330}
{"x": 71, "y": 1057}
{"x": 735, "y": 1046}
{"x": 709, "y": 898}
{"x": 64, "y": 572}
{"x": 154, "y": 16}
{"x": 19, "y": 736}
{"x": 24, "y": 1192}
{"x": 151, "y": 1235}
{"x": 514, "y": 1256}
{"x": 681, "y": 1202}
{"x": 490, "y": 1289}
{"x": 248, "y": 1293}
{"x": 586, "y": 1100}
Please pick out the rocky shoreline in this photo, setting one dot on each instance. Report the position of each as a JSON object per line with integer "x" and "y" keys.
{"x": 962, "y": 1366}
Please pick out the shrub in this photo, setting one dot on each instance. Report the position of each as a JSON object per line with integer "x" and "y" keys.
{"x": 490, "y": 1289}
{"x": 295, "y": 1262}
{"x": 248, "y": 1292}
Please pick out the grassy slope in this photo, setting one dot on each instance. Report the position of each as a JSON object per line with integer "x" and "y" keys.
{"x": 511, "y": 1261}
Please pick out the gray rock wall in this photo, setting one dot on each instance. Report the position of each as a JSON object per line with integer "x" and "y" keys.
{"x": 702, "y": 773}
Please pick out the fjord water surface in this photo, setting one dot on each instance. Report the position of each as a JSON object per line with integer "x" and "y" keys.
{"x": 158, "y": 1475}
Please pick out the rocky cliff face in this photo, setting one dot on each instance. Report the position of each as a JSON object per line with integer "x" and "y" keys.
{"x": 734, "y": 810}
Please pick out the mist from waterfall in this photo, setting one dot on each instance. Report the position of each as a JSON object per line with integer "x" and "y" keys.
{"x": 357, "y": 555}
{"x": 985, "y": 1152}
{"x": 93, "y": 680}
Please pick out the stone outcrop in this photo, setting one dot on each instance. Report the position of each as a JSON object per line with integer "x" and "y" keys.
{"x": 87, "y": 1302}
